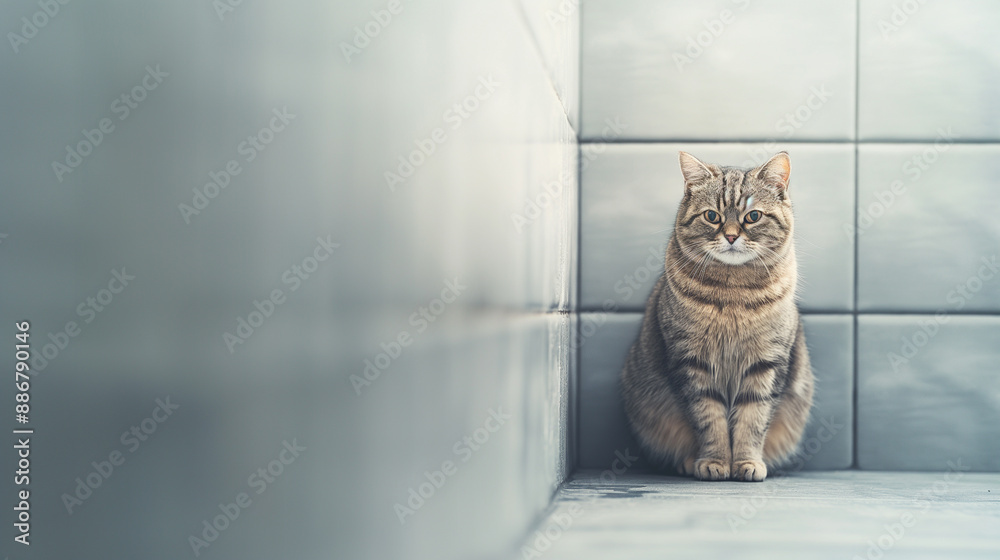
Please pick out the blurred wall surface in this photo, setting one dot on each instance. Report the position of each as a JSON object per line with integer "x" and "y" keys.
{"x": 298, "y": 274}
{"x": 889, "y": 111}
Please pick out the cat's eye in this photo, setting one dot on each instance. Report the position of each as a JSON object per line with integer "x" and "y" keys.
{"x": 752, "y": 216}
{"x": 712, "y": 216}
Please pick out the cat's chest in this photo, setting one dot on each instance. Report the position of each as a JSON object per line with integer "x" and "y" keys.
{"x": 732, "y": 340}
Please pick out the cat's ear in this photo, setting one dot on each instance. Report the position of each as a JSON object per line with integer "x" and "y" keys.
{"x": 694, "y": 170}
{"x": 775, "y": 172}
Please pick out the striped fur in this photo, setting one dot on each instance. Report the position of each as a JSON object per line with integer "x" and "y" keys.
{"x": 718, "y": 384}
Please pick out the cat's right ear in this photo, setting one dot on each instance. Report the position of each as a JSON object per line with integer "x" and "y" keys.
{"x": 694, "y": 170}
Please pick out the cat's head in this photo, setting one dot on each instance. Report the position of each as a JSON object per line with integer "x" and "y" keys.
{"x": 735, "y": 215}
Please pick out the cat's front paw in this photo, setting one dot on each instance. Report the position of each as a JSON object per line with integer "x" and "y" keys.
{"x": 711, "y": 469}
{"x": 749, "y": 471}
{"x": 686, "y": 467}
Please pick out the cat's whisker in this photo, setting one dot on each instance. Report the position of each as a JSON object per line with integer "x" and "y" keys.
{"x": 687, "y": 259}
{"x": 767, "y": 268}
{"x": 798, "y": 239}
{"x": 696, "y": 261}
{"x": 797, "y": 251}
{"x": 779, "y": 256}
{"x": 703, "y": 265}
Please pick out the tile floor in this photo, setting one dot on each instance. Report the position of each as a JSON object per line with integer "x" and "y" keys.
{"x": 815, "y": 515}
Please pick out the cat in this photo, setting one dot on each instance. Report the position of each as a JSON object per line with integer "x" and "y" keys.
{"x": 718, "y": 384}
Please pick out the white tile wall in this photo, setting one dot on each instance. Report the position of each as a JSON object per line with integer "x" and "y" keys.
{"x": 498, "y": 83}
{"x": 928, "y": 66}
{"x": 721, "y": 69}
{"x": 928, "y": 392}
{"x": 928, "y": 234}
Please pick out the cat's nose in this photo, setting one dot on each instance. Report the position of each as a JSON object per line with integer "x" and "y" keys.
{"x": 731, "y": 238}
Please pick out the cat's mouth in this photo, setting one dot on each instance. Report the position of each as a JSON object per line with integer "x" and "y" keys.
{"x": 731, "y": 255}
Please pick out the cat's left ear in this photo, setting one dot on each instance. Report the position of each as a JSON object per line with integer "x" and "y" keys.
{"x": 775, "y": 172}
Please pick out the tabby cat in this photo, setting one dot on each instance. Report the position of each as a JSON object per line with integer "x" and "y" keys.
{"x": 718, "y": 384}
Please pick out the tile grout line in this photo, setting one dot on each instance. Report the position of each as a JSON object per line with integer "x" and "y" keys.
{"x": 828, "y": 313}
{"x": 874, "y": 142}
{"x": 525, "y": 21}
{"x": 854, "y": 330}
{"x": 575, "y": 325}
